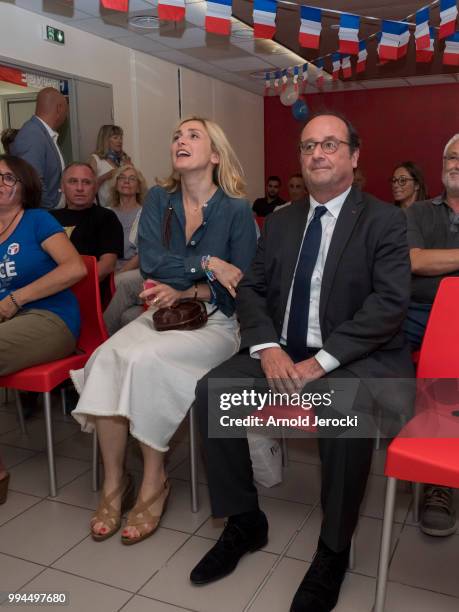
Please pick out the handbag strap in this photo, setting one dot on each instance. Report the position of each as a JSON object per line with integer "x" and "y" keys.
{"x": 166, "y": 233}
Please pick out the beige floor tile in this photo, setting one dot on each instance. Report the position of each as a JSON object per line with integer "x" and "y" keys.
{"x": 16, "y": 572}
{"x": 373, "y": 502}
{"x": 79, "y": 492}
{"x": 408, "y": 599}
{"x": 78, "y": 446}
{"x": 47, "y": 530}
{"x": 12, "y": 456}
{"x": 427, "y": 562}
{"x": 83, "y": 595}
{"x": 301, "y": 483}
{"x": 304, "y": 450}
{"x": 171, "y": 584}
{"x": 126, "y": 567}
{"x": 357, "y": 594}
{"x": 31, "y": 476}
{"x": 15, "y": 504}
{"x": 284, "y": 520}
{"x": 379, "y": 460}
{"x": 144, "y": 604}
{"x": 178, "y": 514}
{"x": 8, "y": 422}
{"x": 35, "y": 439}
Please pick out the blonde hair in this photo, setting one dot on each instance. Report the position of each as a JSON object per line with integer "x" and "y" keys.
{"x": 227, "y": 174}
{"x": 105, "y": 132}
{"x": 114, "y": 196}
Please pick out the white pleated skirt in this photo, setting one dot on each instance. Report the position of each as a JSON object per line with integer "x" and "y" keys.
{"x": 150, "y": 377}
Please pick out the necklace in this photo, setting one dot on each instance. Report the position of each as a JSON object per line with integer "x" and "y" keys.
{"x": 10, "y": 223}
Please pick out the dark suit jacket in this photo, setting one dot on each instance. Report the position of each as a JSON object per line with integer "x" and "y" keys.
{"x": 35, "y": 146}
{"x": 365, "y": 286}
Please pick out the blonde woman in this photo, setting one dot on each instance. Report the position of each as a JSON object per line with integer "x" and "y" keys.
{"x": 143, "y": 381}
{"x": 109, "y": 156}
{"x": 127, "y": 193}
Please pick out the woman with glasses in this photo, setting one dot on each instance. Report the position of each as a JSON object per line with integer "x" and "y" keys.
{"x": 109, "y": 156}
{"x": 196, "y": 238}
{"x": 408, "y": 184}
{"x": 39, "y": 316}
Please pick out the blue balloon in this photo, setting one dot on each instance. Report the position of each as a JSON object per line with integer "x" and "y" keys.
{"x": 300, "y": 110}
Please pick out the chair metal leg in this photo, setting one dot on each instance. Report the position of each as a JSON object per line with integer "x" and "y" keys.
{"x": 95, "y": 463}
{"x": 378, "y": 430}
{"x": 284, "y": 449}
{"x": 49, "y": 445}
{"x": 352, "y": 554}
{"x": 63, "y": 401}
{"x": 384, "y": 555}
{"x": 20, "y": 412}
{"x": 418, "y": 490}
{"x": 194, "y": 460}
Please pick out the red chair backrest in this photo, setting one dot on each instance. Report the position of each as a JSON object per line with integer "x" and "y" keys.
{"x": 439, "y": 355}
{"x": 93, "y": 331}
{"x": 260, "y": 222}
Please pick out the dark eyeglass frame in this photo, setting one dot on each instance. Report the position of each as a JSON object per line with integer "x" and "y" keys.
{"x": 15, "y": 179}
{"x": 336, "y": 142}
{"x": 401, "y": 180}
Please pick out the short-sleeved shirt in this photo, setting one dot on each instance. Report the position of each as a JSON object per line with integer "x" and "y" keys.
{"x": 431, "y": 225}
{"x": 262, "y": 208}
{"x": 23, "y": 261}
{"x": 93, "y": 231}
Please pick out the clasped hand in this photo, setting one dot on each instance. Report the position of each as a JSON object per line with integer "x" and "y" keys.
{"x": 161, "y": 295}
{"x": 227, "y": 275}
{"x": 285, "y": 376}
{"x": 7, "y": 309}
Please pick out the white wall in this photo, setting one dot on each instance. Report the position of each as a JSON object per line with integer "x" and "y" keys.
{"x": 145, "y": 92}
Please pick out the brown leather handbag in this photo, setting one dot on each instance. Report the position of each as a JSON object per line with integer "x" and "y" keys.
{"x": 188, "y": 314}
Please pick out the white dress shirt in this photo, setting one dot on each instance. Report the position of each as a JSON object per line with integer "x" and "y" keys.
{"x": 314, "y": 334}
{"x": 54, "y": 136}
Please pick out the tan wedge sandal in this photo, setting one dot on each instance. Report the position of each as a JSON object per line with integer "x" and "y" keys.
{"x": 110, "y": 516}
{"x": 142, "y": 518}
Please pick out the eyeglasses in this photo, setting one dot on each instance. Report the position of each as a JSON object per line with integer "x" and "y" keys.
{"x": 451, "y": 158}
{"x": 9, "y": 179}
{"x": 401, "y": 180}
{"x": 328, "y": 146}
{"x": 129, "y": 179}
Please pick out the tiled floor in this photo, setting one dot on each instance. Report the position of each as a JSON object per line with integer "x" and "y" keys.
{"x": 45, "y": 546}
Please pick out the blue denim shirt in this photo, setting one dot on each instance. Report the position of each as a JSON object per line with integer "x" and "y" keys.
{"x": 227, "y": 232}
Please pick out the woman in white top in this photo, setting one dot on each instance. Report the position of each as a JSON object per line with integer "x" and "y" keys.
{"x": 109, "y": 156}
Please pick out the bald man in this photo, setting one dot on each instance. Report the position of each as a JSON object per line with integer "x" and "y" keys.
{"x": 36, "y": 142}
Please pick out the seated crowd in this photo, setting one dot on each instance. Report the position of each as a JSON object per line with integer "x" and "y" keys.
{"x": 193, "y": 235}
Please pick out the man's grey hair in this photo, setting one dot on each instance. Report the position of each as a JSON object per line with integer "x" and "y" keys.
{"x": 450, "y": 142}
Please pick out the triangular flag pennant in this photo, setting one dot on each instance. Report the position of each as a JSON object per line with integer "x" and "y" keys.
{"x": 116, "y": 5}
{"x": 264, "y": 18}
{"x": 336, "y": 65}
{"x": 422, "y": 34}
{"x": 218, "y": 17}
{"x": 426, "y": 55}
{"x": 451, "y": 54}
{"x": 311, "y": 27}
{"x": 171, "y": 10}
{"x": 346, "y": 66}
{"x": 348, "y": 34}
{"x": 362, "y": 57}
{"x": 320, "y": 73}
{"x": 448, "y": 15}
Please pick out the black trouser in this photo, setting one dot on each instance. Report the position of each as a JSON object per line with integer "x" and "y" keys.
{"x": 345, "y": 462}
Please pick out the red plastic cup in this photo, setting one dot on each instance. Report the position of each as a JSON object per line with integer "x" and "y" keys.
{"x": 148, "y": 284}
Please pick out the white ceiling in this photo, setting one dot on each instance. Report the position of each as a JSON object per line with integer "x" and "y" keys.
{"x": 232, "y": 59}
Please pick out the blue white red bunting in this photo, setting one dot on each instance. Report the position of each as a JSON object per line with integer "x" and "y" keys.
{"x": 348, "y": 34}
{"x": 310, "y": 27}
{"x": 304, "y": 71}
{"x": 277, "y": 76}
{"x": 451, "y": 53}
{"x": 448, "y": 15}
{"x": 422, "y": 34}
{"x": 362, "y": 57}
{"x": 264, "y": 18}
{"x": 320, "y": 72}
{"x": 346, "y": 66}
{"x": 267, "y": 83}
{"x": 116, "y": 5}
{"x": 284, "y": 80}
{"x": 296, "y": 73}
{"x": 426, "y": 55}
{"x": 218, "y": 17}
{"x": 394, "y": 40}
{"x": 171, "y": 10}
{"x": 336, "y": 65}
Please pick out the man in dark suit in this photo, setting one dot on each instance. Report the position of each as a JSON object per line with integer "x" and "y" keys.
{"x": 324, "y": 300}
{"x": 36, "y": 142}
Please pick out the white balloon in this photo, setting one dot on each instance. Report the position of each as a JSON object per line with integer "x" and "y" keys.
{"x": 289, "y": 96}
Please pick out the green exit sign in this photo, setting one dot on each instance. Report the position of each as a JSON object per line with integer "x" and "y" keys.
{"x": 54, "y": 35}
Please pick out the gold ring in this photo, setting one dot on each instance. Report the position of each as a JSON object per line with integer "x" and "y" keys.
{"x": 156, "y": 300}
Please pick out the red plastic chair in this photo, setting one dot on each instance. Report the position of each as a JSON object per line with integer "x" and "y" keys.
{"x": 260, "y": 222}
{"x": 45, "y": 377}
{"x": 427, "y": 448}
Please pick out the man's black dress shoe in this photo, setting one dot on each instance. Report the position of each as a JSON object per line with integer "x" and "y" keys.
{"x": 242, "y": 534}
{"x": 319, "y": 590}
